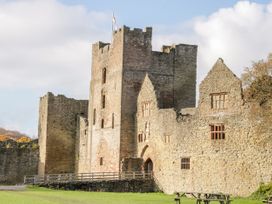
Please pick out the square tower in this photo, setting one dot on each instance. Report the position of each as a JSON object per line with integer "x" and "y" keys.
{"x": 118, "y": 70}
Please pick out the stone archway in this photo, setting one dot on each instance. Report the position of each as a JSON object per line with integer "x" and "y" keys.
{"x": 143, "y": 151}
{"x": 148, "y": 165}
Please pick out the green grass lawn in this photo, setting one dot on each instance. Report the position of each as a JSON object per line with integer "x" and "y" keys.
{"x": 47, "y": 196}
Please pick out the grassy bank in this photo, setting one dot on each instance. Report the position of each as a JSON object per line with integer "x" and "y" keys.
{"x": 47, "y": 196}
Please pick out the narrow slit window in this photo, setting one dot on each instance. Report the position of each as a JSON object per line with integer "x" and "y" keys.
{"x": 140, "y": 137}
{"x": 103, "y": 100}
{"x": 104, "y": 75}
{"x": 94, "y": 116}
{"x": 112, "y": 121}
{"x": 102, "y": 123}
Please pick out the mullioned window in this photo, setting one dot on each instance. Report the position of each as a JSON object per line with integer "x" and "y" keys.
{"x": 219, "y": 101}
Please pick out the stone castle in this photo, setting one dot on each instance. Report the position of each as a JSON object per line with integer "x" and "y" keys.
{"x": 142, "y": 116}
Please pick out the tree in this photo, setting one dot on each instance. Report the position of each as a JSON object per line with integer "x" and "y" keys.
{"x": 257, "y": 81}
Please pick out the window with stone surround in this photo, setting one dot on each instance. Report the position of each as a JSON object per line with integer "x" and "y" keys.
{"x": 94, "y": 116}
{"x": 140, "y": 137}
{"x": 147, "y": 131}
{"x": 217, "y": 131}
{"x": 101, "y": 161}
{"x": 219, "y": 101}
{"x": 103, "y": 100}
{"x": 146, "y": 108}
{"x": 167, "y": 138}
{"x": 104, "y": 75}
{"x": 185, "y": 163}
{"x": 102, "y": 123}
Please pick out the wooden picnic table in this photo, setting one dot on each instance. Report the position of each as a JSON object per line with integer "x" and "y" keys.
{"x": 206, "y": 198}
{"x": 268, "y": 200}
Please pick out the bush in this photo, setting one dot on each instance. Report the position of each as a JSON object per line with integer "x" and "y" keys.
{"x": 263, "y": 191}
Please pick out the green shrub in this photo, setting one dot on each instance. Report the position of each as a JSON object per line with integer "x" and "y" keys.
{"x": 263, "y": 191}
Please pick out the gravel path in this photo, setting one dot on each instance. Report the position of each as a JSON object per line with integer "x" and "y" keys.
{"x": 13, "y": 188}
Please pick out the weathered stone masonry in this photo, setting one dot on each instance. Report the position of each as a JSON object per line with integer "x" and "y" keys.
{"x": 17, "y": 160}
{"x": 142, "y": 116}
{"x": 235, "y": 163}
{"x": 58, "y": 124}
{"x": 126, "y": 61}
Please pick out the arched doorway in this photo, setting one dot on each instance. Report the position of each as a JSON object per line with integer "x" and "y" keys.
{"x": 148, "y": 165}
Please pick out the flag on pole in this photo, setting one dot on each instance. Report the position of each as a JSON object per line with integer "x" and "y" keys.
{"x": 114, "y": 26}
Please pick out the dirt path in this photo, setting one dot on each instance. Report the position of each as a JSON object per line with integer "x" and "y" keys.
{"x": 13, "y": 188}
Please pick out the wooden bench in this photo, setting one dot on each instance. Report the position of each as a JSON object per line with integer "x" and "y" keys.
{"x": 206, "y": 198}
{"x": 221, "y": 201}
{"x": 177, "y": 198}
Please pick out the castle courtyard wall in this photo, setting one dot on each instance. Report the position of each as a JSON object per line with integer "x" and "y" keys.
{"x": 18, "y": 160}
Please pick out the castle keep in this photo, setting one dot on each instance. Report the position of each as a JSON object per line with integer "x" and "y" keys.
{"x": 142, "y": 116}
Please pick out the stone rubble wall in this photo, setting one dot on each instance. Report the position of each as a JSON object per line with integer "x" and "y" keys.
{"x": 18, "y": 160}
{"x": 141, "y": 186}
{"x": 58, "y": 133}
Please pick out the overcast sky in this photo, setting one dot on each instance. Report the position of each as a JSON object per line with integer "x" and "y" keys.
{"x": 45, "y": 45}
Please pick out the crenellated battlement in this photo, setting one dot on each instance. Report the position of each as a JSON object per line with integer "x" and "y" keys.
{"x": 146, "y": 30}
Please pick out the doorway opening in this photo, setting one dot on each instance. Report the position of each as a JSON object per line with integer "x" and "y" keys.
{"x": 148, "y": 166}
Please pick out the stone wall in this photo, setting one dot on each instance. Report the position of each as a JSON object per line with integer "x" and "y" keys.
{"x": 105, "y": 142}
{"x": 235, "y": 165}
{"x": 142, "y": 186}
{"x": 57, "y": 132}
{"x": 18, "y": 160}
{"x": 82, "y": 164}
{"x": 127, "y": 60}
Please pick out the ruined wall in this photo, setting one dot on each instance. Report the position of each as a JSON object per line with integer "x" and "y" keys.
{"x": 18, "y": 160}
{"x": 235, "y": 165}
{"x": 57, "y": 132}
{"x": 82, "y": 162}
{"x": 42, "y": 132}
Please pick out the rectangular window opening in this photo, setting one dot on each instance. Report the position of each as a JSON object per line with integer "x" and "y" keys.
{"x": 185, "y": 163}
{"x": 101, "y": 161}
{"x": 219, "y": 101}
{"x": 217, "y": 132}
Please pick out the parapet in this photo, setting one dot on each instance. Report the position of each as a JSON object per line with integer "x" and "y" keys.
{"x": 143, "y": 36}
{"x": 177, "y": 48}
{"x": 126, "y": 29}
